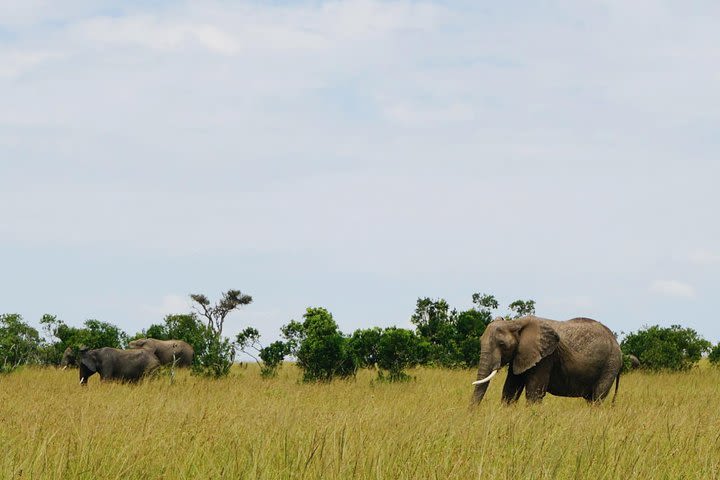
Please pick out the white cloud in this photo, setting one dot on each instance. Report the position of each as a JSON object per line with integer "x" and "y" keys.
{"x": 673, "y": 288}
{"x": 149, "y": 32}
{"x": 169, "y": 304}
{"x": 704, "y": 257}
{"x": 17, "y": 62}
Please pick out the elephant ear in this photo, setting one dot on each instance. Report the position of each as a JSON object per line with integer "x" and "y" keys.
{"x": 537, "y": 341}
{"x": 89, "y": 362}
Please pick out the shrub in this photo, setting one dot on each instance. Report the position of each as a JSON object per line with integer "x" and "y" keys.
{"x": 215, "y": 358}
{"x": 714, "y": 355}
{"x": 19, "y": 343}
{"x": 364, "y": 345}
{"x": 322, "y": 351}
{"x": 396, "y": 352}
{"x": 270, "y": 357}
{"x": 661, "y": 348}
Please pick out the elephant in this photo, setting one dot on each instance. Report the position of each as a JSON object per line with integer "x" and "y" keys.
{"x": 69, "y": 358}
{"x": 634, "y": 362}
{"x": 115, "y": 364}
{"x": 574, "y": 358}
{"x": 165, "y": 349}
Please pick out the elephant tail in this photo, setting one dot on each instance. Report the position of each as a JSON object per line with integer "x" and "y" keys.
{"x": 617, "y": 384}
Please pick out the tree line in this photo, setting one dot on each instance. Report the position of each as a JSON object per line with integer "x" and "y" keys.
{"x": 442, "y": 337}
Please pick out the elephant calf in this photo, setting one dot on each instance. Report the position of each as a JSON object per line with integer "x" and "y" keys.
{"x": 167, "y": 351}
{"x": 116, "y": 364}
{"x": 576, "y": 358}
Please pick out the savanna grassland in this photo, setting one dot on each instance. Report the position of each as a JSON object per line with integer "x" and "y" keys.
{"x": 662, "y": 426}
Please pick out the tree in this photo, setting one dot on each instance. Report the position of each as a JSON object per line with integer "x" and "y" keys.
{"x": 434, "y": 322}
{"x": 215, "y": 314}
{"x": 93, "y": 334}
{"x": 396, "y": 352}
{"x": 661, "y": 348}
{"x": 522, "y": 308}
{"x": 270, "y": 357}
{"x": 19, "y": 342}
{"x": 365, "y": 344}
{"x": 218, "y": 354}
{"x": 322, "y": 351}
{"x": 714, "y": 355}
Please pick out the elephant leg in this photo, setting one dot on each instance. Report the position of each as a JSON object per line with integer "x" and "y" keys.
{"x": 513, "y": 388}
{"x": 537, "y": 380}
{"x": 602, "y": 387}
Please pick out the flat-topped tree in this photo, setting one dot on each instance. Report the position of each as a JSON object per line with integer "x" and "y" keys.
{"x": 215, "y": 314}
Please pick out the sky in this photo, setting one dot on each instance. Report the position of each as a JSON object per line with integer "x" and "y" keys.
{"x": 360, "y": 154}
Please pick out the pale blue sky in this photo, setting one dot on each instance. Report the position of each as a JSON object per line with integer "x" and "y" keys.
{"x": 359, "y": 154}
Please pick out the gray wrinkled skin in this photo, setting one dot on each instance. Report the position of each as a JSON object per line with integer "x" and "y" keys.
{"x": 575, "y": 358}
{"x": 116, "y": 364}
{"x": 164, "y": 350}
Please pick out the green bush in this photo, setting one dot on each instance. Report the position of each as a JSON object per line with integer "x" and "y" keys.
{"x": 19, "y": 343}
{"x": 397, "y": 351}
{"x": 364, "y": 345}
{"x": 215, "y": 358}
{"x": 323, "y": 352}
{"x": 269, "y": 358}
{"x": 663, "y": 348}
{"x": 450, "y": 338}
{"x": 714, "y": 355}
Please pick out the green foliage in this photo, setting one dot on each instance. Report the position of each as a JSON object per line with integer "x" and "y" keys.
{"x": 215, "y": 314}
{"x": 269, "y": 358}
{"x": 364, "y": 345}
{"x": 19, "y": 343}
{"x": 272, "y": 357}
{"x": 660, "y": 348}
{"x": 434, "y": 322}
{"x": 323, "y": 353}
{"x": 215, "y": 358}
{"x": 448, "y": 338}
{"x": 714, "y": 355}
{"x": 93, "y": 334}
{"x": 522, "y": 308}
{"x": 397, "y": 351}
{"x": 217, "y": 353}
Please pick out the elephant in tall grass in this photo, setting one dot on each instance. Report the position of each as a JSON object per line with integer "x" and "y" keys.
{"x": 69, "y": 358}
{"x": 116, "y": 364}
{"x": 575, "y": 358}
{"x": 167, "y": 351}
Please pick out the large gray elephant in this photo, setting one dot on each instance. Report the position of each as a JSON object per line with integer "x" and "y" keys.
{"x": 576, "y": 358}
{"x": 115, "y": 364}
{"x": 167, "y": 350}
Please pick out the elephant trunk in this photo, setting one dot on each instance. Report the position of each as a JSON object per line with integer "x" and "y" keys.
{"x": 486, "y": 370}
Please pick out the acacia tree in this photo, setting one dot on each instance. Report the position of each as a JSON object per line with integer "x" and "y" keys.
{"x": 219, "y": 353}
{"x": 215, "y": 314}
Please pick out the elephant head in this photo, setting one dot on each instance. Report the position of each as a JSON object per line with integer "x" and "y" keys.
{"x": 139, "y": 343}
{"x": 520, "y": 343}
{"x": 69, "y": 358}
{"x": 89, "y": 364}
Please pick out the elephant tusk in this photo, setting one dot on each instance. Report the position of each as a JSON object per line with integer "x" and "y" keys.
{"x": 63, "y": 368}
{"x": 486, "y": 379}
{"x": 82, "y": 380}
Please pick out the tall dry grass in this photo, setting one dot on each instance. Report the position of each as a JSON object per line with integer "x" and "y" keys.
{"x": 664, "y": 426}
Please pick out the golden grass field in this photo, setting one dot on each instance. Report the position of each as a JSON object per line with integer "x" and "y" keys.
{"x": 664, "y": 426}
